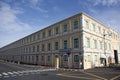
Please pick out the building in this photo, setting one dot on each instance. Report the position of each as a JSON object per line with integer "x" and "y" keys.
{"x": 79, "y": 41}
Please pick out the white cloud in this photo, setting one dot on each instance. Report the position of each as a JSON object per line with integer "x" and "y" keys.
{"x": 110, "y": 18}
{"x": 107, "y": 2}
{"x": 35, "y": 5}
{"x": 11, "y": 28}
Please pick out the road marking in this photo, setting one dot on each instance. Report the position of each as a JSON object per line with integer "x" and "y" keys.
{"x": 5, "y": 74}
{"x": 15, "y": 72}
{"x": 115, "y": 77}
{"x": 65, "y": 75}
{"x": 9, "y": 72}
{"x": 94, "y": 75}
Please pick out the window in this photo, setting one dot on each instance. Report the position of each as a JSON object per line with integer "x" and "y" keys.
{"x": 33, "y": 48}
{"x": 105, "y": 46}
{"x": 65, "y": 44}
{"x": 95, "y": 57}
{"x": 43, "y": 47}
{"x": 38, "y": 37}
{"x": 48, "y": 46}
{"x": 34, "y": 38}
{"x": 57, "y": 30}
{"x": 88, "y": 42}
{"x": 94, "y": 28}
{"x": 88, "y": 58}
{"x": 100, "y": 44}
{"x": 56, "y": 45}
{"x": 76, "y": 43}
{"x": 109, "y": 46}
{"x": 29, "y": 49}
{"x": 99, "y": 29}
{"x": 95, "y": 44}
{"x": 65, "y": 58}
{"x": 76, "y": 58}
{"x": 43, "y": 34}
{"x": 48, "y": 58}
{"x": 42, "y": 58}
{"x": 65, "y": 27}
{"x": 36, "y": 57}
{"x": 87, "y": 24}
{"x": 75, "y": 24}
{"x": 49, "y": 33}
{"x": 38, "y": 48}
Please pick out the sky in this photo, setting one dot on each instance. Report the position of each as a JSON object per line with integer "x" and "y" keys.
{"x": 19, "y": 18}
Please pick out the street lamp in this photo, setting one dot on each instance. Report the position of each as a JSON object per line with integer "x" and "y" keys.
{"x": 105, "y": 48}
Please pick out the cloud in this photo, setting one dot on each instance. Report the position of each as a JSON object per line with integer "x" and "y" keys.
{"x": 107, "y": 2}
{"x": 35, "y": 4}
{"x": 10, "y": 24}
{"x": 110, "y": 18}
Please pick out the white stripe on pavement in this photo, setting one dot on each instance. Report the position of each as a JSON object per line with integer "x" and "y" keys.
{"x": 9, "y": 72}
{"x": 5, "y": 74}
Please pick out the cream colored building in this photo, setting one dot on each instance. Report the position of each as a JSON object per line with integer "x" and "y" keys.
{"x": 79, "y": 41}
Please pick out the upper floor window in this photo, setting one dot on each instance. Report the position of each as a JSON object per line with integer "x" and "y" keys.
{"x": 34, "y": 38}
{"x": 99, "y": 29}
{"x": 87, "y": 24}
{"x": 76, "y": 43}
{"x": 94, "y": 28}
{"x": 56, "y": 45}
{"x": 109, "y": 46}
{"x": 49, "y": 33}
{"x": 95, "y": 44}
{"x": 65, "y": 27}
{"x": 38, "y": 48}
{"x": 43, "y": 47}
{"x": 76, "y": 24}
{"x": 65, "y": 44}
{"x": 33, "y": 48}
{"x": 88, "y": 42}
{"x": 105, "y": 46}
{"x": 100, "y": 44}
{"x": 48, "y": 46}
{"x": 43, "y": 34}
{"x": 57, "y": 30}
{"x": 38, "y": 36}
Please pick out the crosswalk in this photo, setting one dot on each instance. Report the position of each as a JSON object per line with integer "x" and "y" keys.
{"x": 21, "y": 73}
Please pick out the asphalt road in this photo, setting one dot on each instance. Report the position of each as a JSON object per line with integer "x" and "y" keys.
{"x": 11, "y": 71}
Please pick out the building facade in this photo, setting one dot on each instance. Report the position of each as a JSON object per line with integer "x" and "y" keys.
{"x": 79, "y": 41}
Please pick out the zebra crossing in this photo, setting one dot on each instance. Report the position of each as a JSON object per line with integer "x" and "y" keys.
{"x": 21, "y": 73}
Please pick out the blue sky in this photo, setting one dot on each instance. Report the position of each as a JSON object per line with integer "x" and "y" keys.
{"x": 19, "y": 18}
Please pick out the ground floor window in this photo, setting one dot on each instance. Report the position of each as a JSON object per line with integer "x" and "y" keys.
{"x": 88, "y": 58}
{"x": 76, "y": 58}
{"x": 42, "y": 58}
{"x": 48, "y": 58}
{"x": 65, "y": 58}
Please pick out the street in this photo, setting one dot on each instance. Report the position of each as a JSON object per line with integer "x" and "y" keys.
{"x": 12, "y": 71}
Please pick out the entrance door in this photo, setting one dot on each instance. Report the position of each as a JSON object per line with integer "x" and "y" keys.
{"x": 116, "y": 56}
{"x": 56, "y": 62}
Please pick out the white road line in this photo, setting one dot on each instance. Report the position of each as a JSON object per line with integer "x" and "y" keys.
{"x": 5, "y": 74}
{"x": 13, "y": 75}
{"x": 15, "y": 72}
{"x": 10, "y": 73}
